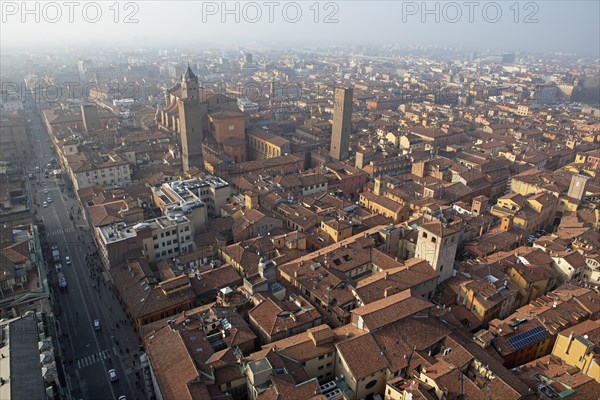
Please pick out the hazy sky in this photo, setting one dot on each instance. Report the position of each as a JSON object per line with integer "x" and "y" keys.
{"x": 567, "y": 26}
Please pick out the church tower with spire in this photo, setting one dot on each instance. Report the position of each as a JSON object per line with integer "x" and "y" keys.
{"x": 191, "y": 121}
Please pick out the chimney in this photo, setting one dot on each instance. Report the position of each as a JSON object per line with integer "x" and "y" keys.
{"x": 377, "y": 188}
{"x": 385, "y": 275}
{"x": 250, "y": 200}
{"x": 296, "y": 274}
{"x": 507, "y": 224}
{"x": 570, "y": 341}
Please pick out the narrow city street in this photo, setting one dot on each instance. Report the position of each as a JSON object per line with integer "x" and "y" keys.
{"x": 88, "y": 352}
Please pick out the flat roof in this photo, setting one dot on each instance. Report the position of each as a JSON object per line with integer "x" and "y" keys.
{"x": 115, "y": 232}
{"x": 26, "y": 380}
{"x": 259, "y": 366}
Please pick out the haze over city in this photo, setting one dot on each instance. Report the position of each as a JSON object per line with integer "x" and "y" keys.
{"x": 310, "y": 200}
{"x": 556, "y": 26}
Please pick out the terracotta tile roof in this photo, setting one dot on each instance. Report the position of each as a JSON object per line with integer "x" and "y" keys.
{"x": 362, "y": 355}
{"x": 440, "y": 229}
{"x": 395, "y": 279}
{"x": 389, "y": 309}
{"x": 240, "y": 332}
{"x": 574, "y": 258}
{"x": 130, "y": 282}
{"x": 16, "y": 253}
{"x": 269, "y": 137}
{"x": 561, "y": 376}
{"x": 213, "y": 280}
{"x": 274, "y": 317}
{"x": 589, "y": 327}
{"x": 171, "y": 363}
{"x": 383, "y": 202}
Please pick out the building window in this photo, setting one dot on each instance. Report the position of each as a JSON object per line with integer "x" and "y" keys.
{"x": 433, "y": 239}
{"x": 371, "y": 384}
{"x": 425, "y": 235}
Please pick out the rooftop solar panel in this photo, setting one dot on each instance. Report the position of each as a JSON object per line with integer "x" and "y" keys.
{"x": 528, "y": 338}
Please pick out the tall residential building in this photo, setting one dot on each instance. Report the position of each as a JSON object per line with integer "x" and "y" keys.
{"x": 342, "y": 123}
{"x": 191, "y": 122}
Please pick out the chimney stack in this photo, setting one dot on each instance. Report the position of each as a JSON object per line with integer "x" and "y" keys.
{"x": 570, "y": 341}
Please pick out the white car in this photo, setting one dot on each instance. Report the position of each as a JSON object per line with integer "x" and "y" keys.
{"x": 97, "y": 324}
{"x": 46, "y": 191}
{"x": 45, "y": 204}
{"x": 122, "y": 397}
{"x": 112, "y": 375}
{"x": 67, "y": 260}
{"x": 49, "y": 199}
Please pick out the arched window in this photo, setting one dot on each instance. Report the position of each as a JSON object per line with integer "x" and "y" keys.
{"x": 371, "y": 384}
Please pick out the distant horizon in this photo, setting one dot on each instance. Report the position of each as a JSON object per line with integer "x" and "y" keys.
{"x": 532, "y": 27}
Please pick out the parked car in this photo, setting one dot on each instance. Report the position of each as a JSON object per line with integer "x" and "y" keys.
{"x": 97, "y": 325}
{"x": 67, "y": 260}
{"x": 44, "y": 204}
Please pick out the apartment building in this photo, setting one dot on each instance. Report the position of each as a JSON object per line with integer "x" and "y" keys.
{"x": 578, "y": 346}
{"x": 530, "y": 332}
{"x": 531, "y": 213}
{"x": 172, "y": 236}
{"x": 384, "y": 206}
{"x": 110, "y": 170}
{"x": 157, "y": 239}
{"x": 210, "y": 190}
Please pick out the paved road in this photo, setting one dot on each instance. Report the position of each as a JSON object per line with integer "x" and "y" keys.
{"x": 88, "y": 353}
